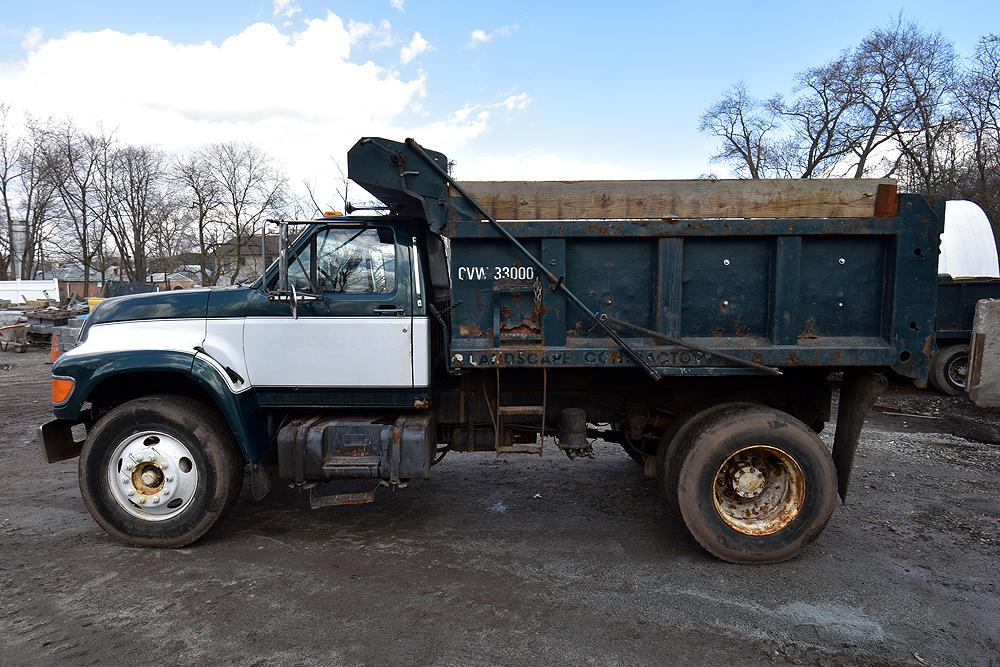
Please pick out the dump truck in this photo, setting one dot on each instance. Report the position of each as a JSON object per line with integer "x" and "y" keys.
{"x": 697, "y": 324}
{"x": 956, "y": 308}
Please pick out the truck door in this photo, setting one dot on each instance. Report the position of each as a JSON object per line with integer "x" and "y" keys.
{"x": 350, "y": 341}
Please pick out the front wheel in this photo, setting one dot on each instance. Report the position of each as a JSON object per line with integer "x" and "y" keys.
{"x": 160, "y": 471}
{"x": 754, "y": 485}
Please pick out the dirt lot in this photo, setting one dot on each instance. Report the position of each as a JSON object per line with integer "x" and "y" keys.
{"x": 515, "y": 561}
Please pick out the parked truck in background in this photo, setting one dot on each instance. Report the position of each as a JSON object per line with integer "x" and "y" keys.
{"x": 956, "y": 307}
{"x": 696, "y": 323}
{"x": 969, "y": 270}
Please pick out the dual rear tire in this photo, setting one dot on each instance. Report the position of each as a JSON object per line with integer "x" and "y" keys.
{"x": 751, "y": 484}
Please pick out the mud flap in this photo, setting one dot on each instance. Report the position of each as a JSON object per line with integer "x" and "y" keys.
{"x": 860, "y": 390}
{"x": 58, "y": 444}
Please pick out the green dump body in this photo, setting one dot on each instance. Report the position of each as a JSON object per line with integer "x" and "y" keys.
{"x": 783, "y": 292}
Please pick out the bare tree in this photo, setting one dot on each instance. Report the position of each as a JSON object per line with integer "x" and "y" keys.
{"x": 72, "y": 157}
{"x": 9, "y": 170}
{"x": 884, "y": 107}
{"x": 252, "y": 187}
{"x": 132, "y": 179}
{"x": 817, "y": 120}
{"x": 745, "y": 126}
{"x": 193, "y": 174}
{"x": 28, "y": 195}
{"x": 926, "y": 114}
{"x": 980, "y": 99}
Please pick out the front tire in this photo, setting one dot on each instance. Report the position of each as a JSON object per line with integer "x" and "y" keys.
{"x": 160, "y": 471}
{"x": 754, "y": 485}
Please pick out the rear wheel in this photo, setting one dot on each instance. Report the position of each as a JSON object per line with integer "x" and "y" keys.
{"x": 754, "y": 485}
{"x": 667, "y": 466}
{"x": 950, "y": 368}
{"x": 160, "y": 471}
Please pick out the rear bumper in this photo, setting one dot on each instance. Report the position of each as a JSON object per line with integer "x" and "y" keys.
{"x": 56, "y": 438}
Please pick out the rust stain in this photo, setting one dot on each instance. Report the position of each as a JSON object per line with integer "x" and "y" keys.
{"x": 467, "y": 330}
{"x": 929, "y": 346}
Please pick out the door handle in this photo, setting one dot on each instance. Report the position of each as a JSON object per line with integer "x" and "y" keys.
{"x": 388, "y": 309}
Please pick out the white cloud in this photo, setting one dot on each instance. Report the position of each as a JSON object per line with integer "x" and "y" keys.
{"x": 32, "y": 39}
{"x": 414, "y": 48}
{"x": 467, "y": 123}
{"x": 379, "y": 35}
{"x": 303, "y": 96}
{"x": 480, "y": 36}
{"x": 286, "y": 8}
{"x": 517, "y": 102}
{"x": 398, "y": 5}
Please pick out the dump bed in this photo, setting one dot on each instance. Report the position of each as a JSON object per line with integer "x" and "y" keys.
{"x": 780, "y": 273}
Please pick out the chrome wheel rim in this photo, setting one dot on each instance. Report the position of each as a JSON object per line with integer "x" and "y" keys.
{"x": 958, "y": 371}
{"x": 759, "y": 490}
{"x": 152, "y": 476}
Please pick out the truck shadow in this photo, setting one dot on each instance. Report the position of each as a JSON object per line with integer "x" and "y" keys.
{"x": 538, "y": 504}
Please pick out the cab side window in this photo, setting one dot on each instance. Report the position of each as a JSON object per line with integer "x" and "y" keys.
{"x": 300, "y": 270}
{"x": 356, "y": 261}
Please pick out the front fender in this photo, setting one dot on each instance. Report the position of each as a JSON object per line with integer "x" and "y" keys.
{"x": 89, "y": 371}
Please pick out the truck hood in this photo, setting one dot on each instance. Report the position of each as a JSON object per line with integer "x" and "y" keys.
{"x": 176, "y": 304}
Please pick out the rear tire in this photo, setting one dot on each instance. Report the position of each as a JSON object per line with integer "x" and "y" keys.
{"x": 950, "y": 368}
{"x": 667, "y": 467}
{"x": 160, "y": 471}
{"x": 754, "y": 485}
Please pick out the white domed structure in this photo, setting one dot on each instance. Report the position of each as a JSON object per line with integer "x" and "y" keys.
{"x": 968, "y": 247}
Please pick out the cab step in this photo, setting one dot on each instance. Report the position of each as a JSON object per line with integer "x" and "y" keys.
{"x": 521, "y": 448}
{"x": 318, "y": 500}
{"x": 521, "y": 410}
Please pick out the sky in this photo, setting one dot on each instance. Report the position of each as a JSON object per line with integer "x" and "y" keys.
{"x": 509, "y": 90}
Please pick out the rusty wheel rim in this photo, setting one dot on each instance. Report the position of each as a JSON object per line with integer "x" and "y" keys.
{"x": 152, "y": 476}
{"x": 759, "y": 490}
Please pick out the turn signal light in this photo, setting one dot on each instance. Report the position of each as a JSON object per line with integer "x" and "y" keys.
{"x": 61, "y": 389}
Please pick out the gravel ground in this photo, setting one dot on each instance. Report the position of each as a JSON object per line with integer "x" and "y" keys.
{"x": 521, "y": 560}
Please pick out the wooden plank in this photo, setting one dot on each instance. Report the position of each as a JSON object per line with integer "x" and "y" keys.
{"x": 633, "y": 200}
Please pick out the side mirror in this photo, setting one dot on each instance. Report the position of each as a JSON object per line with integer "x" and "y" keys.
{"x": 286, "y": 290}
